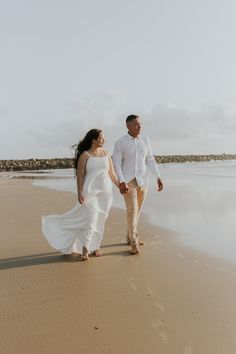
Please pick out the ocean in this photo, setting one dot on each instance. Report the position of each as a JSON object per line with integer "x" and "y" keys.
{"x": 198, "y": 202}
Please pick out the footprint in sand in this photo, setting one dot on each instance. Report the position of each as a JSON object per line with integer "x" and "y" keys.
{"x": 156, "y": 325}
{"x": 180, "y": 255}
{"x": 164, "y": 337}
{"x": 188, "y": 349}
{"x": 150, "y": 292}
{"x": 207, "y": 265}
{"x": 222, "y": 269}
{"x": 131, "y": 283}
{"x": 159, "y": 306}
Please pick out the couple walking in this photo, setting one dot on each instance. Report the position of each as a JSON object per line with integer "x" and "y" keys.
{"x": 80, "y": 230}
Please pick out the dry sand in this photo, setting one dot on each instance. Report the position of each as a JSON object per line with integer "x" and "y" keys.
{"x": 168, "y": 300}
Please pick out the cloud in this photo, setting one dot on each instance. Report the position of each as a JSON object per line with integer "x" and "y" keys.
{"x": 204, "y": 129}
{"x": 180, "y": 123}
{"x": 106, "y": 112}
{"x": 172, "y": 129}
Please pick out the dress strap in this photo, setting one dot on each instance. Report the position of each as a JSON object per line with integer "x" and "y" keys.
{"x": 104, "y": 153}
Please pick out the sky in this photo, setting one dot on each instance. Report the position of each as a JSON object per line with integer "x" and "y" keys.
{"x": 67, "y": 66}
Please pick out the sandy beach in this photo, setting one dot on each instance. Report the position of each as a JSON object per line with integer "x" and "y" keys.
{"x": 169, "y": 300}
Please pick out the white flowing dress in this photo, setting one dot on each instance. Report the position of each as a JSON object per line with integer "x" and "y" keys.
{"x": 84, "y": 224}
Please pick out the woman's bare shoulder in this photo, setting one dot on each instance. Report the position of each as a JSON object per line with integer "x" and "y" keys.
{"x": 84, "y": 156}
{"x": 106, "y": 153}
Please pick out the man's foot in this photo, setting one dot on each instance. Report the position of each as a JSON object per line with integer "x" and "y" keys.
{"x": 134, "y": 249}
{"x": 97, "y": 253}
{"x": 140, "y": 243}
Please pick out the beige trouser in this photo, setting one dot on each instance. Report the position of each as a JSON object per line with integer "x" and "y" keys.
{"x": 134, "y": 200}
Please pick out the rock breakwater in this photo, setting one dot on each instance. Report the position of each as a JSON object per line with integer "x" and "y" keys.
{"x": 194, "y": 158}
{"x": 35, "y": 164}
{"x": 47, "y": 164}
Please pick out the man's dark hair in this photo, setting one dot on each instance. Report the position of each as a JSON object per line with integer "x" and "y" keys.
{"x": 131, "y": 117}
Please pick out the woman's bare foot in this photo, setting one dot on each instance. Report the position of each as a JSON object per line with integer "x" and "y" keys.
{"x": 97, "y": 253}
{"x": 134, "y": 249}
{"x": 85, "y": 255}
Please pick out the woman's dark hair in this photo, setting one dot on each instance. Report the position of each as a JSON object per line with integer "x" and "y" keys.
{"x": 85, "y": 144}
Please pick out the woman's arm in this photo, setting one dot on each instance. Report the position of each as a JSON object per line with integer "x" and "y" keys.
{"x": 117, "y": 161}
{"x": 112, "y": 173}
{"x": 81, "y": 170}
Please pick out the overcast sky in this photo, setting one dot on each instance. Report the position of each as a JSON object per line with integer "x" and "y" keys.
{"x": 70, "y": 65}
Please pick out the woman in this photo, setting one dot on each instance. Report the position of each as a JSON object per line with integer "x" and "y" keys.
{"x": 80, "y": 230}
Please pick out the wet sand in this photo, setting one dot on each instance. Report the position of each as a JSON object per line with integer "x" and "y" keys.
{"x": 168, "y": 300}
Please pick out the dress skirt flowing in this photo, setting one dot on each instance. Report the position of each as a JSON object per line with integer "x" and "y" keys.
{"x": 83, "y": 225}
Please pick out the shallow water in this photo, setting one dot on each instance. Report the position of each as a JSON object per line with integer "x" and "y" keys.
{"x": 198, "y": 202}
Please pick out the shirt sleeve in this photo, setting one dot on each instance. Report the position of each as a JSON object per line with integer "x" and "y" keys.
{"x": 117, "y": 161}
{"x": 150, "y": 160}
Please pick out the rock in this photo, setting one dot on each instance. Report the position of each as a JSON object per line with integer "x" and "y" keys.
{"x": 42, "y": 164}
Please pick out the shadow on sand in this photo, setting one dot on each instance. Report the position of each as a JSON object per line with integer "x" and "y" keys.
{"x": 53, "y": 257}
{"x": 36, "y": 259}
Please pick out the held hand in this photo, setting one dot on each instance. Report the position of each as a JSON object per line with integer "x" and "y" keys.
{"x": 160, "y": 185}
{"x": 124, "y": 188}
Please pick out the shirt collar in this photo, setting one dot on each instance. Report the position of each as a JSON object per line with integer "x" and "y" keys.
{"x": 131, "y": 138}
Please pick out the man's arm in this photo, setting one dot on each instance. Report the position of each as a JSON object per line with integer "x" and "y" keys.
{"x": 117, "y": 163}
{"x": 151, "y": 163}
{"x": 112, "y": 173}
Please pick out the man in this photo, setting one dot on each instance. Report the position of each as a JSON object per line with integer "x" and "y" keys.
{"x": 131, "y": 157}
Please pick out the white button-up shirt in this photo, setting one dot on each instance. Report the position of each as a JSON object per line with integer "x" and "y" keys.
{"x": 131, "y": 157}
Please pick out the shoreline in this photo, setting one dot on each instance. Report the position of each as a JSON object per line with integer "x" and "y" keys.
{"x": 168, "y": 300}
{"x": 208, "y": 236}
{"x": 171, "y": 235}
{"x": 64, "y": 163}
